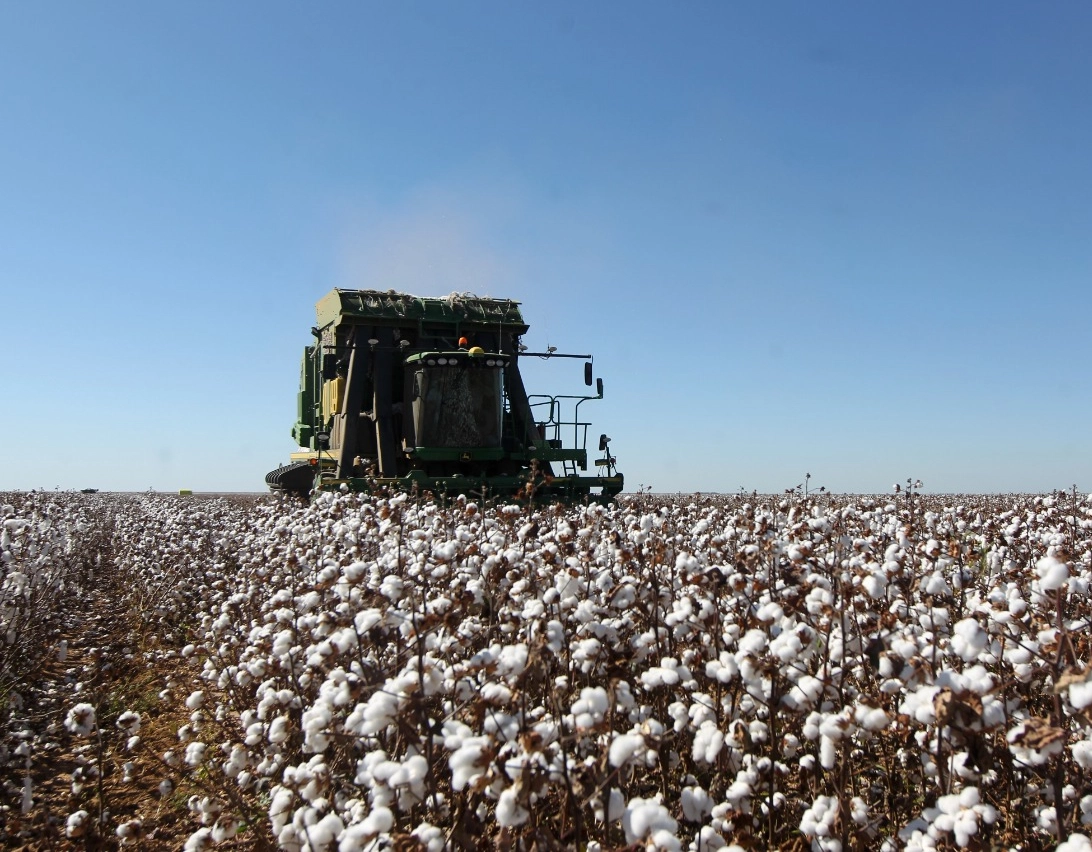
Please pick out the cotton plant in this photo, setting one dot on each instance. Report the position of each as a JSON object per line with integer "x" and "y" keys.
{"x": 958, "y": 815}
{"x": 363, "y": 670}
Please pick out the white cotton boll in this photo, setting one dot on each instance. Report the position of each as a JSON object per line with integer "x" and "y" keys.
{"x": 379, "y": 821}
{"x": 195, "y": 753}
{"x": 236, "y": 762}
{"x": 278, "y": 730}
{"x": 200, "y": 841}
{"x": 624, "y": 746}
{"x": 696, "y": 803}
{"x": 965, "y": 827}
{"x": 1052, "y": 573}
{"x": 870, "y": 718}
{"x": 377, "y": 714}
{"x": 430, "y": 837}
{"x": 818, "y": 820}
{"x": 196, "y": 699}
{"x": 739, "y": 792}
{"x": 509, "y": 811}
{"x": 28, "y": 795}
{"x": 1082, "y": 753}
{"x": 467, "y": 761}
{"x": 130, "y": 832}
{"x": 708, "y": 742}
{"x": 166, "y": 787}
{"x": 1075, "y": 843}
{"x": 316, "y": 719}
{"x": 356, "y": 839}
{"x": 280, "y": 808}
{"x": 225, "y": 828}
{"x": 786, "y": 646}
{"x": 919, "y": 704}
{"x": 1032, "y": 756}
{"x": 828, "y": 752}
{"x": 949, "y": 810}
{"x": 679, "y": 712}
{"x": 903, "y": 647}
{"x": 591, "y": 707}
{"x": 659, "y": 676}
{"x": 555, "y": 635}
{"x": 77, "y": 824}
{"x": 81, "y": 720}
{"x": 754, "y": 641}
{"x": 665, "y": 840}
{"x": 701, "y": 709}
{"x": 132, "y": 743}
{"x": 255, "y": 733}
{"x": 323, "y": 833}
{"x": 1086, "y": 810}
{"x": 1080, "y": 694}
{"x": 811, "y": 725}
{"x": 512, "y": 660}
{"x": 391, "y": 588}
{"x": 969, "y": 639}
{"x": 411, "y": 774}
{"x": 643, "y": 817}
{"x": 961, "y": 766}
{"x": 807, "y": 690}
{"x": 875, "y": 585}
{"x": 616, "y": 805}
{"x": 834, "y": 726}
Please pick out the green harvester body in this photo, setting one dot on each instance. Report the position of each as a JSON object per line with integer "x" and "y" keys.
{"x": 403, "y": 392}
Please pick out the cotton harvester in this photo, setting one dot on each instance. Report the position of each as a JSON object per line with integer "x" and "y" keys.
{"x": 405, "y": 392}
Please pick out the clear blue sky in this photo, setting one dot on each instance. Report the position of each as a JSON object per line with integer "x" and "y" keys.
{"x": 850, "y": 239}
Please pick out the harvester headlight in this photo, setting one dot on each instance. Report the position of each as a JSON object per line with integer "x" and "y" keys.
{"x": 489, "y": 362}
{"x": 431, "y": 362}
{"x": 441, "y": 361}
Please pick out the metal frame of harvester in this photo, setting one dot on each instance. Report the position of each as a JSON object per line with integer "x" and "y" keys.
{"x": 405, "y": 392}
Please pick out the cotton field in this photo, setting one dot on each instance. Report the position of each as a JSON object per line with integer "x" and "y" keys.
{"x": 686, "y": 673}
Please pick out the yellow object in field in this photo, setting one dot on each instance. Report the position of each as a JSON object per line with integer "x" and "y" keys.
{"x": 332, "y": 392}
{"x": 185, "y": 492}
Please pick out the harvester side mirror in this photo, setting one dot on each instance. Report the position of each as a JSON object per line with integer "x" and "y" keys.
{"x": 587, "y": 373}
{"x": 322, "y": 440}
{"x": 329, "y": 367}
{"x": 599, "y": 387}
{"x": 603, "y": 441}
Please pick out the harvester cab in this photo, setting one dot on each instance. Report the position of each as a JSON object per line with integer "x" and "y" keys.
{"x": 400, "y": 391}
